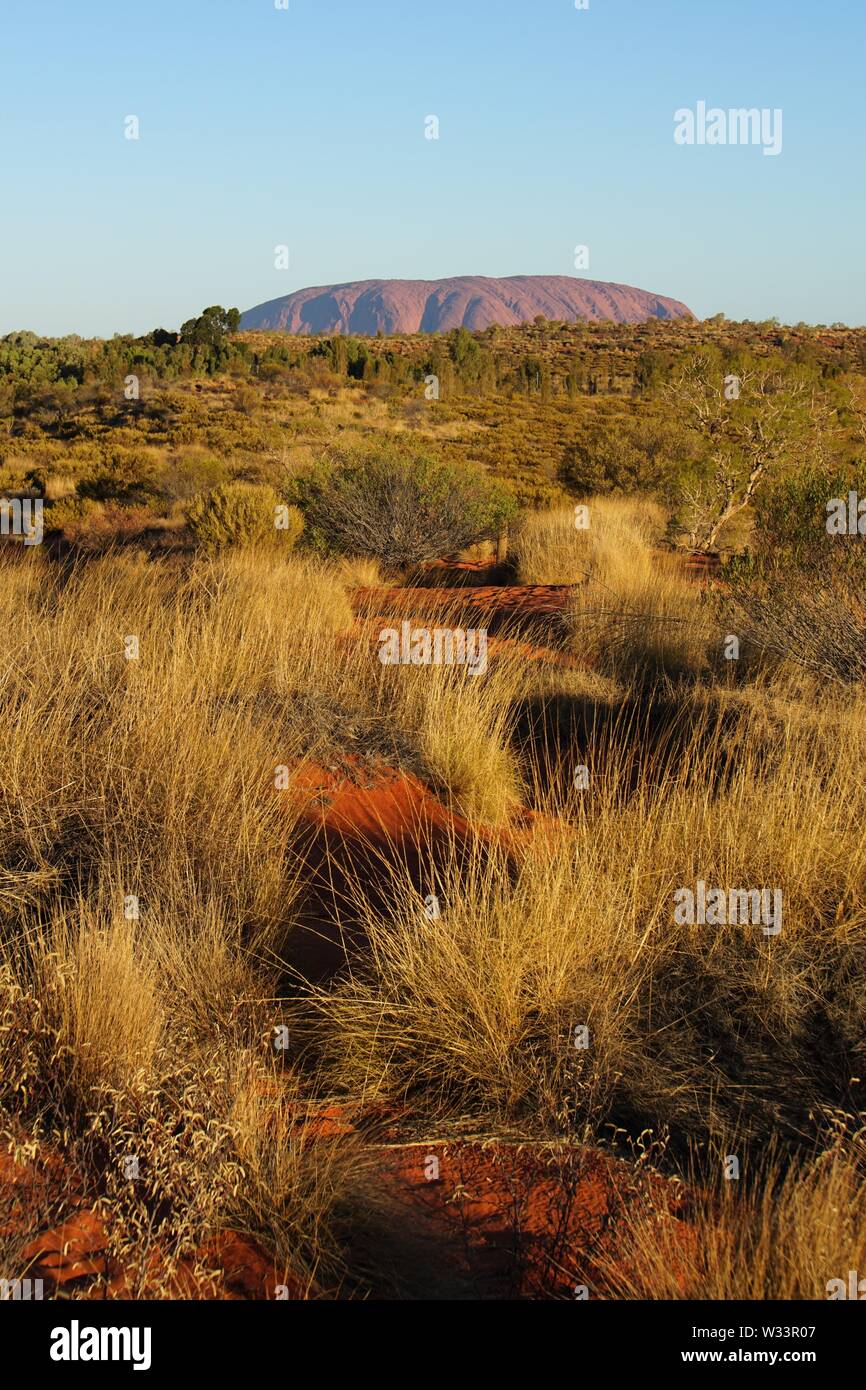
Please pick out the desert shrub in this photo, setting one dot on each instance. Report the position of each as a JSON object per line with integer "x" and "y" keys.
{"x": 791, "y": 519}
{"x": 129, "y": 475}
{"x": 632, "y": 453}
{"x": 243, "y": 514}
{"x": 402, "y": 508}
{"x": 185, "y": 477}
{"x": 812, "y": 615}
{"x": 246, "y": 399}
{"x": 71, "y": 513}
{"x": 92, "y": 525}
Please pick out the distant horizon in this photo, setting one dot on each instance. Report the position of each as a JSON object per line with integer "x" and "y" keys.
{"x": 228, "y": 302}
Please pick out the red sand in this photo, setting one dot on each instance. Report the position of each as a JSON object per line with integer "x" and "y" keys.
{"x": 484, "y": 1220}
{"x": 518, "y": 1221}
{"x": 71, "y": 1257}
{"x": 359, "y": 824}
{"x": 514, "y": 600}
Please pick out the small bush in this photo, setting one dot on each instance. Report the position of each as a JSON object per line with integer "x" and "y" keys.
{"x": 186, "y": 476}
{"x": 799, "y": 596}
{"x": 95, "y": 526}
{"x": 403, "y": 509}
{"x": 629, "y": 453}
{"x": 128, "y": 475}
{"x": 791, "y": 518}
{"x": 243, "y": 514}
{"x": 812, "y": 616}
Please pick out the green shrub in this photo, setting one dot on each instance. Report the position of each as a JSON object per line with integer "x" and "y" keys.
{"x": 128, "y": 476}
{"x": 791, "y": 518}
{"x": 184, "y": 477}
{"x": 629, "y": 453}
{"x": 243, "y": 514}
{"x": 71, "y": 513}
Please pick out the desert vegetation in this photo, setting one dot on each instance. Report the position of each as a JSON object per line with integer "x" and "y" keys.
{"x": 291, "y": 934}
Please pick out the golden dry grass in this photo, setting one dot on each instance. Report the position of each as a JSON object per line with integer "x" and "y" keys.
{"x": 149, "y": 874}
{"x": 693, "y": 1027}
{"x": 552, "y": 548}
{"x": 792, "y": 1232}
{"x": 634, "y": 613}
{"x": 154, "y": 778}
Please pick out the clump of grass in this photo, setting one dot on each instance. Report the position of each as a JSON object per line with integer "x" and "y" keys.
{"x": 634, "y": 613}
{"x": 785, "y": 1231}
{"x": 462, "y": 723}
{"x": 360, "y": 572}
{"x": 476, "y": 1010}
{"x": 558, "y": 547}
{"x": 645, "y": 623}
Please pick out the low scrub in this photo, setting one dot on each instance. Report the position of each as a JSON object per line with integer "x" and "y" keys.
{"x": 248, "y": 514}
{"x": 402, "y": 508}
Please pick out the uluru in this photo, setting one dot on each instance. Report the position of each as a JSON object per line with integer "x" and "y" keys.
{"x": 368, "y": 307}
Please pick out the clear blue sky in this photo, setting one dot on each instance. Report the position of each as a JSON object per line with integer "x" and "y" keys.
{"x": 305, "y": 127}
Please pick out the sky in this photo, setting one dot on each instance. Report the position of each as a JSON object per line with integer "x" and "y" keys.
{"x": 305, "y": 127}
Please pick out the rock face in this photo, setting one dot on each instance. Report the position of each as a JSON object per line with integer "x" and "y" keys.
{"x": 473, "y": 301}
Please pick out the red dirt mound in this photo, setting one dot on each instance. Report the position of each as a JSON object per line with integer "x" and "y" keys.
{"x": 500, "y": 647}
{"x": 494, "y": 602}
{"x": 520, "y": 1221}
{"x": 358, "y": 826}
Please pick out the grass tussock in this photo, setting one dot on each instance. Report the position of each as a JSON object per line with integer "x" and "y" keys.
{"x": 792, "y": 1232}
{"x": 606, "y": 536}
{"x": 697, "y": 1028}
{"x": 634, "y": 614}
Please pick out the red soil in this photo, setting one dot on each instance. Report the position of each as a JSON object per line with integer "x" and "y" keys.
{"x": 529, "y": 601}
{"x": 71, "y": 1255}
{"x": 478, "y": 1220}
{"x": 358, "y": 825}
{"x": 520, "y": 618}
{"x": 500, "y": 647}
{"x": 519, "y": 1221}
